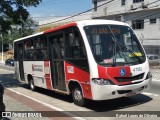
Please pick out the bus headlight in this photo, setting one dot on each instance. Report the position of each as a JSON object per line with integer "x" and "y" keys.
{"x": 101, "y": 81}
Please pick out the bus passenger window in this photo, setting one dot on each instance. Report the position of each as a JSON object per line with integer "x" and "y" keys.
{"x": 33, "y": 55}
{"x": 58, "y": 47}
{"x": 27, "y": 55}
{"x": 40, "y": 42}
{"x": 75, "y": 48}
{"x": 27, "y": 45}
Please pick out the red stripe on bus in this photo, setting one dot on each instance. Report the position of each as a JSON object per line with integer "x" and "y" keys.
{"x": 105, "y": 74}
{"x": 48, "y": 81}
{"x": 60, "y": 27}
{"x": 46, "y": 63}
{"x": 82, "y": 77}
{"x": 112, "y": 72}
{"x": 47, "y": 75}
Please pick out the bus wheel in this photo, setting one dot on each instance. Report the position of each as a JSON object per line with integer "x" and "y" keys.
{"x": 31, "y": 85}
{"x": 78, "y": 96}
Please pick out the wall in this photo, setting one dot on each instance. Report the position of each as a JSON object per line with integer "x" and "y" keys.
{"x": 149, "y": 36}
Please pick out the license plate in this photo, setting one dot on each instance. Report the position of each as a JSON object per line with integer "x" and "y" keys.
{"x": 130, "y": 94}
{"x": 138, "y": 89}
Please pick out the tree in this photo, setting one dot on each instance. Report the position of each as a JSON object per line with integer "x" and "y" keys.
{"x": 16, "y": 32}
{"x": 14, "y": 12}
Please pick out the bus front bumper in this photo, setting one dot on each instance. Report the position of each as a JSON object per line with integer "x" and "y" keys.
{"x": 105, "y": 92}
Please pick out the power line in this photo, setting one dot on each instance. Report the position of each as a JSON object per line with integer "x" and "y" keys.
{"x": 114, "y": 4}
{"x": 97, "y": 12}
{"x": 82, "y": 12}
{"x": 59, "y": 2}
{"x": 134, "y": 8}
{"x": 71, "y": 15}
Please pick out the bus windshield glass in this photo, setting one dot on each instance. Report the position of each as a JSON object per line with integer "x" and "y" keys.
{"x": 114, "y": 45}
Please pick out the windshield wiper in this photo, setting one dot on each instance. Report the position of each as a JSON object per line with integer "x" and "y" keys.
{"x": 122, "y": 46}
{"x": 132, "y": 53}
{"x": 115, "y": 46}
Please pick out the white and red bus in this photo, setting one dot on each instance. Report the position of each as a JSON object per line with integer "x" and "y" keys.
{"x": 90, "y": 59}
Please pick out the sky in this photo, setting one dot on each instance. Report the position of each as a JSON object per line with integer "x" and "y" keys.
{"x": 50, "y": 8}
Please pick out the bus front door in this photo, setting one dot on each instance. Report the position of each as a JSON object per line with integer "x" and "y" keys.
{"x": 57, "y": 64}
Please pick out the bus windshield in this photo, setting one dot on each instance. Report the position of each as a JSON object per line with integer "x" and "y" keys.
{"x": 114, "y": 45}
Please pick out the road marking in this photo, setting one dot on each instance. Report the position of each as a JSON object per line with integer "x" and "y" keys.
{"x": 48, "y": 105}
{"x": 7, "y": 70}
{"x": 150, "y": 94}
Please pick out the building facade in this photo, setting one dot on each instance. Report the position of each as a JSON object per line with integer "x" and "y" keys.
{"x": 142, "y": 15}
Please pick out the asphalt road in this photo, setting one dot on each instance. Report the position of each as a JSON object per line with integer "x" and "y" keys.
{"x": 18, "y": 97}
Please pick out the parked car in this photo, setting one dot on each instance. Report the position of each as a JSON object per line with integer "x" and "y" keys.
{"x": 2, "y": 106}
{"x": 154, "y": 59}
{"x": 9, "y": 62}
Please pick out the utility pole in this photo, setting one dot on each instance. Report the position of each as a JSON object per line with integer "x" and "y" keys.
{"x": 2, "y": 48}
{"x": 2, "y": 44}
{"x": 142, "y": 36}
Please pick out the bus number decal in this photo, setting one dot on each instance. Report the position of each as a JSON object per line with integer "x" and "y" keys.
{"x": 137, "y": 69}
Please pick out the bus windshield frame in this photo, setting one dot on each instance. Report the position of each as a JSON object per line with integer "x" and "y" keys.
{"x": 114, "y": 45}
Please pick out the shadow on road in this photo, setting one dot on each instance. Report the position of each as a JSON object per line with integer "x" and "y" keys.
{"x": 9, "y": 80}
{"x": 100, "y": 107}
{"x": 119, "y": 103}
{"x": 50, "y": 93}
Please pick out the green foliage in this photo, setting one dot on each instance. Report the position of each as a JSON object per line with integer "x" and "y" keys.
{"x": 14, "y": 12}
{"x": 16, "y": 31}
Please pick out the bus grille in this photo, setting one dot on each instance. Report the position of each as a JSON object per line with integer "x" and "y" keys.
{"x": 128, "y": 91}
{"x": 127, "y": 79}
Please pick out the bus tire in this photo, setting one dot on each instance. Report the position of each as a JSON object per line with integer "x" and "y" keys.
{"x": 77, "y": 96}
{"x": 31, "y": 85}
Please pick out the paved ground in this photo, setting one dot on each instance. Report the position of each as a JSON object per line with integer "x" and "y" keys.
{"x": 155, "y": 73}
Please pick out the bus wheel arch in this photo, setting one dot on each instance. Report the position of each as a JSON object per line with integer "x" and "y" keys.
{"x": 31, "y": 82}
{"x": 77, "y": 93}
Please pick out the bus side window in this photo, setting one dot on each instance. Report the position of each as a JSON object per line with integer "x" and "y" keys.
{"x": 57, "y": 54}
{"x": 69, "y": 41}
{"x": 40, "y": 42}
{"x": 58, "y": 46}
{"x": 75, "y": 49}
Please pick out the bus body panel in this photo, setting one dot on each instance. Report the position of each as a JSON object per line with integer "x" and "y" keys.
{"x": 106, "y": 91}
{"x": 41, "y": 71}
{"x": 121, "y": 89}
{"x": 73, "y": 73}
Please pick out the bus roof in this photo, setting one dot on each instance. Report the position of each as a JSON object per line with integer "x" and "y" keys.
{"x": 48, "y": 31}
{"x": 60, "y": 27}
{"x": 79, "y": 23}
{"x": 100, "y": 22}
{"x": 23, "y": 38}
